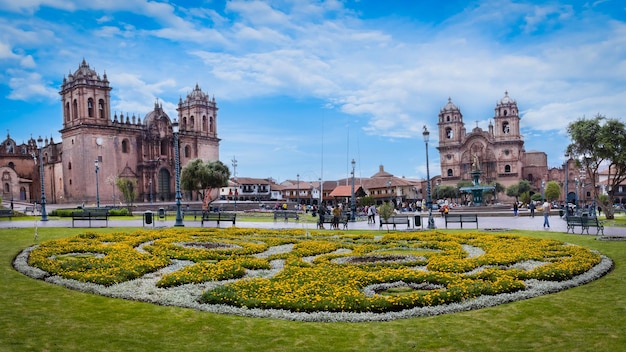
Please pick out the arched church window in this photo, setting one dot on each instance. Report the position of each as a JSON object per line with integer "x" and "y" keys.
{"x": 67, "y": 111}
{"x": 210, "y": 123}
{"x": 164, "y": 145}
{"x": 7, "y": 188}
{"x": 449, "y": 132}
{"x": 450, "y": 173}
{"x": 204, "y": 123}
{"x": 505, "y": 112}
{"x": 505, "y": 127}
{"x": 101, "y": 108}
{"x": 69, "y": 165}
{"x": 90, "y": 107}
{"x": 507, "y": 168}
{"x": 125, "y": 146}
{"x": 184, "y": 126}
{"x": 187, "y": 151}
{"x": 448, "y": 118}
{"x": 192, "y": 123}
{"x": 75, "y": 109}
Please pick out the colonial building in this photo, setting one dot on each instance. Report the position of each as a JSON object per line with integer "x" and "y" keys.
{"x": 498, "y": 152}
{"x": 123, "y": 146}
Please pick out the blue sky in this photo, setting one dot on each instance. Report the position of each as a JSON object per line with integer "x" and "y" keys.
{"x": 305, "y": 86}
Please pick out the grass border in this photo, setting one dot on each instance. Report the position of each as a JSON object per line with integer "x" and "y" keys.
{"x": 43, "y": 317}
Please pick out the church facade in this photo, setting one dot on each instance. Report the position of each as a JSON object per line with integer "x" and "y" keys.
{"x": 123, "y": 146}
{"x": 498, "y": 153}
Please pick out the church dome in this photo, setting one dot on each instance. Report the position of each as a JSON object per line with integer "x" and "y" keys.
{"x": 155, "y": 115}
{"x": 85, "y": 72}
{"x": 507, "y": 99}
{"x": 450, "y": 106}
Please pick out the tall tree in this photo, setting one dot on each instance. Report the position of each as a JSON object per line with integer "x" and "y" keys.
{"x": 552, "y": 191}
{"x": 127, "y": 186}
{"x": 203, "y": 178}
{"x": 599, "y": 144}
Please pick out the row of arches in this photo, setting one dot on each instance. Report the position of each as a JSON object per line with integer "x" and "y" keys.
{"x": 191, "y": 123}
{"x": 71, "y": 113}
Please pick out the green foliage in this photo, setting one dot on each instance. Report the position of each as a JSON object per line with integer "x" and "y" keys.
{"x": 513, "y": 191}
{"x": 599, "y": 144}
{"x": 128, "y": 188}
{"x": 385, "y": 210}
{"x": 461, "y": 184}
{"x": 552, "y": 191}
{"x": 202, "y": 177}
{"x": 525, "y": 197}
{"x": 536, "y": 197}
{"x": 119, "y": 212}
{"x": 366, "y": 201}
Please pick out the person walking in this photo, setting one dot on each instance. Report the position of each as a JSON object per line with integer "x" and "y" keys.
{"x": 531, "y": 207}
{"x": 515, "y": 208}
{"x": 546, "y": 212}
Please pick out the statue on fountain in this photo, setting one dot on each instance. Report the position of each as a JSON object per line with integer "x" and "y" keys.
{"x": 476, "y": 163}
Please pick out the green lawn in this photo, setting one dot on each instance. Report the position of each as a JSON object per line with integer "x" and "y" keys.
{"x": 39, "y": 316}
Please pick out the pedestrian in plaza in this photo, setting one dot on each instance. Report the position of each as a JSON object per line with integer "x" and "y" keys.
{"x": 515, "y": 208}
{"x": 336, "y": 216}
{"x": 531, "y": 207}
{"x": 371, "y": 214}
{"x": 546, "y": 212}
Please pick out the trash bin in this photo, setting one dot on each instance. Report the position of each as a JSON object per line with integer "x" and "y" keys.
{"x": 161, "y": 213}
{"x": 417, "y": 221}
{"x": 147, "y": 218}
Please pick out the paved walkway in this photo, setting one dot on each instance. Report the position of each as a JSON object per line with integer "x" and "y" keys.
{"x": 502, "y": 222}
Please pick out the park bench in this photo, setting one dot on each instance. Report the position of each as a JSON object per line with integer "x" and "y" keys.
{"x": 194, "y": 212}
{"x": 6, "y": 213}
{"x": 91, "y": 215}
{"x": 286, "y": 214}
{"x": 328, "y": 219}
{"x": 461, "y": 218}
{"x": 584, "y": 222}
{"x": 218, "y": 217}
{"x": 395, "y": 220}
{"x": 29, "y": 209}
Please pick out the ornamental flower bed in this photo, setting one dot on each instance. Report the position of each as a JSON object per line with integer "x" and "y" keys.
{"x": 325, "y": 276}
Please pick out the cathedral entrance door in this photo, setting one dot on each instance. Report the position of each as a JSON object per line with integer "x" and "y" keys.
{"x": 164, "y": 185}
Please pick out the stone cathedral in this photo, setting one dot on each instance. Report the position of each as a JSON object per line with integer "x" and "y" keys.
{"x": 498, "y": 152}
{"x": 124, "y": 146}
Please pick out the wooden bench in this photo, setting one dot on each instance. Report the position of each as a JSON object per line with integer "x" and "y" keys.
{"x": 395, "y": 220}
{"x": 585, "y": 222}
{"x": 328, "y": 219}
{"x": 194, "y": 212}
{"x": 286, "y": 214}
{"x": 461, "y": 218}
{"x": 218, "y": 217}
{"x": 91, "y": 215}
{"x": 6, "y": 213}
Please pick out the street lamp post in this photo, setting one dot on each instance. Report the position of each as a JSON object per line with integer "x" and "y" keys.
{"x": 389, "y": 190}
{"x": 149, "y": 185}
{"x": 543, "y": 190}
{"x": 352, "y": 200}
{"x": 179, "y": 217}
{"x": 44, "y": 215}
{"x": 431, "y": 221}
{"x": 97, "y": 187}
{"x": 298, "y": 195}
{"x": 577, "y": 193}
{"x": 234, "y": 161}
{"x": 438, "y": 183}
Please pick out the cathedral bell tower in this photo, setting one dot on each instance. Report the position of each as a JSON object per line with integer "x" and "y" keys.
{"x": 506, "y": 119}
{"x": 451, "y": 136}
{"x": 86, "y": 98}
